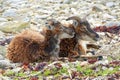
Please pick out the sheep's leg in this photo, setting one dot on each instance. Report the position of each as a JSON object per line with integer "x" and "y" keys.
{"x": 55, "y": 52}
{"x": 81, "y": 47}
{"x": 91, "y": 45}
{"x": 73, "y": 54}
{"x": 95, "y": 46}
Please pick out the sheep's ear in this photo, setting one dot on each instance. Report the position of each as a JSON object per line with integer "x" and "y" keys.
{"x": 76, "y": 20}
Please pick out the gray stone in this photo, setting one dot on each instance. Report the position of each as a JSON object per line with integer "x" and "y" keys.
{"x": 4, "y": 63}
{"x": 67, "y": 1}
{"x": 9, "y": 13}
{"x": 110, "y": 4}
{"x": 13, "y": 27}
{"x": 3, "y": 20}
{"x": 1, "y": 57}
{"x": 3, "y": 50}
{"x": 112, "y": 23}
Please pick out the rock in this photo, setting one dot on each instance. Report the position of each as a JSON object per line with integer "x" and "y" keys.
{"x": 84, "y": 63}
{"x": 9, "y": 13}
{"x": 3, "y": 20}
{"x": 103, "y": 62}
{"x": 14, "y": 1}
{"x": 100, "y": 78}
{"x": 16, "y": 70}
{"x": 97, "y": 9}
{"x": 13, "y": 27}
{"x": 107, "y": 16}
{"x": 111, "y": 68}
{"x": 112, "y": 23}
{"x": 1, "y": 57}
{"x": 110, "y": 4}
{"x": 67, "y": 1}
{"x": 104, "y": 68}
{"x": 41, "y": 17}
{"x": 6, "y": 63}
{"x": 3, "y": 51}
{"x": 1, "y": 34}
{"x": 5, "y": 78}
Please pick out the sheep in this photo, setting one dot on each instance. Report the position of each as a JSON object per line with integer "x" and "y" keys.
{"x": 31, "y": 46}
{"x": 77, "y": 45}
{"x": 84, "y": 34}
{"x": 70, "y": 33}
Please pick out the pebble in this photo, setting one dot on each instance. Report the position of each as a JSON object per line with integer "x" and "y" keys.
{"x": 67, "y": 1}
{"x": 3, "y": 20}
{"x": 107, "y": 16}
{"x": 1, "y": 57}
{"x": 111, "y": 68}
{"x": 2, "y": 51}
{"x": 110, "y": 4}
{"x": 9, "y": 13}
{"x": 13, "y": 27}
{"x": 6, "y": 63}
{"x": 112, "y": 23}
{"x": 4, "y": 78}
{"x": 104, "y": 68}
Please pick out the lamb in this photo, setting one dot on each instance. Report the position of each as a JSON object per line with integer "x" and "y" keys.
{"x": 31, "y": 46}
{"x": 77, "y": 45}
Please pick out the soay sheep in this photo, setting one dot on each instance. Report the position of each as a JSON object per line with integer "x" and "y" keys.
{"x": 78, "y": 45}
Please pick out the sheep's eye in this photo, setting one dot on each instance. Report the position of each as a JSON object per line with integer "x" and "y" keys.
{"x": 75, "y": 23}
{"x": 48, "y": 26}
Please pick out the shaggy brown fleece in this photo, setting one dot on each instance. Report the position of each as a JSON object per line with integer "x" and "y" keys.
{"x": 27, "y": 47}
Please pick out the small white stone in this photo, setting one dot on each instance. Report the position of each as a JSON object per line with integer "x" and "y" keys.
{"x": 10, "y": 13}
{"x": 67, "y": 1}
{"x": 113, "y": 41}
{"x": 110, "y": 4}
{"x": 111, "y": 68}
{"x": 5, "y": 63}
{"x": 1, "y": 57}
{"x": 3, "y": 20}
{"x": 101, "y": 33}
{"x": 104, "y": 68}
{"x": 112, "y": 23}
{"x": 16, "y": 69}
{"x": 107, "y": 16}
{"x": 84, "y": 63}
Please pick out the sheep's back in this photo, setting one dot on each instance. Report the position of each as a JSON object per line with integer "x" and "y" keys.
{"x": 26, "y": 47}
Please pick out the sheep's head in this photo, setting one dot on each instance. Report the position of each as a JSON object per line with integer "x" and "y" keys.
{"x": 59, "y": 32}
{"x": 83, "y": 29}
{"x": 58, "y": 29}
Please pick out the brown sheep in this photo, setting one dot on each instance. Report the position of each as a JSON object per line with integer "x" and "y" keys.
{"x": 30, "y": 46}
{"x": 58, "y": 26}
{"x": 79, "y": 43}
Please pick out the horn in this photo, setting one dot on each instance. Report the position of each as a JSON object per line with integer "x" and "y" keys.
{"x": 84, "y": 18}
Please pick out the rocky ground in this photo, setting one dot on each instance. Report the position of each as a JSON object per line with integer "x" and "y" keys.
{"x": 16, "y": 15}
